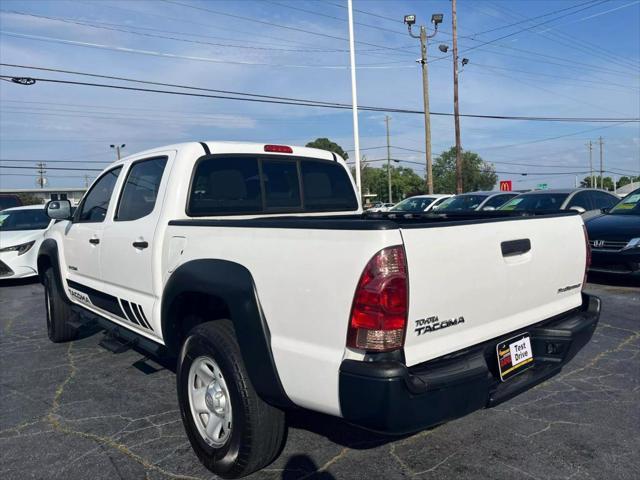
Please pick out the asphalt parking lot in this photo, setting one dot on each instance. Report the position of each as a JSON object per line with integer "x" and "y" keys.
{"x": 77, "y": 411}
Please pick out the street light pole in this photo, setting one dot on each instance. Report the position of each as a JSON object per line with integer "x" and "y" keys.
{"x": 354, "y": 98}
{"x": 456, "y": 111}
{"x": 436, "y": 19}
{"x": 386, "y": 120}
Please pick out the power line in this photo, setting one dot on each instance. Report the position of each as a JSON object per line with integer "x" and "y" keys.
{"x": 287, "y": 27}
{"x": 70, "y": 169}
{"x": 361, "y": 24}
{"x": 288, "y": 101}
{"x": 112, "y": 27}
{"x": 152, "y": 53}
{"x": 581, "y": 45}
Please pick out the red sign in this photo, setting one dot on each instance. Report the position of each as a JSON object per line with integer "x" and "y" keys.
{"x": 505, "y": 185}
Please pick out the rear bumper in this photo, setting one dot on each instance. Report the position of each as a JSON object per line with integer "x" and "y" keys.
{"x": 389, "y": 397}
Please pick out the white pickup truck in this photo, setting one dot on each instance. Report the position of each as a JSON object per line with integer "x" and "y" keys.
{"x": 255, "y": 267}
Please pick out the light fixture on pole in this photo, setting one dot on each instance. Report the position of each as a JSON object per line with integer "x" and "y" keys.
{"x": 118, "y": 148}
{"x": 410, "y": 20}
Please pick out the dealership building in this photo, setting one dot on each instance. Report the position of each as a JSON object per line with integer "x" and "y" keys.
{"x": 43, "y": 195}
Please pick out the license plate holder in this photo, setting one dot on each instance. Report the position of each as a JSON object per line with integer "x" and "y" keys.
{"x": 515, "y": 355}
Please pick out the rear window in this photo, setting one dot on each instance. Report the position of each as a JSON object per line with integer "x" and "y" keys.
{"x": 228, "y": 185}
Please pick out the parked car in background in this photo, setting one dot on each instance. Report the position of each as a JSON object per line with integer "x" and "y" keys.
{"x": 8, "y": 200}
{"x": 419, "y": 203}
{"x": 587, "y": 201}
{"x": 21, "y": 233}
{"x": 476, "y": 201}
{"x": 614, "y": 237}
{"x": 380, "y": 207}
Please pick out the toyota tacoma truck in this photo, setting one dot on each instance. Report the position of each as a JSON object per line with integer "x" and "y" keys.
{"x": 256, "y": 268}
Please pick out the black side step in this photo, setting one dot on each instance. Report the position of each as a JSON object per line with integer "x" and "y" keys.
{"x": 115, "y": 344}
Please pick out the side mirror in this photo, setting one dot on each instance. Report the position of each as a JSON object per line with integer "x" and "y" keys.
{"x": 578, "y": 209}
{"x": 59, "y": 209}
{"x": 488, "y": 209}
{"x": 605, "y": 210}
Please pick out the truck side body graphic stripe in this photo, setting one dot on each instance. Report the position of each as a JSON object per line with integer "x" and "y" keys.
{"x": 128, "y": 311}
{"x": 102, "y": 300}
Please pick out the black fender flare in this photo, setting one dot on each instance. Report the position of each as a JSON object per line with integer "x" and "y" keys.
{"x": 232, "y": 283}
{"x": 48, "y": 253}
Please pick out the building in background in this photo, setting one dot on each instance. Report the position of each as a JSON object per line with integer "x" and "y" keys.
{"x": 33, "y": 196}
{"x": 627, "y": 189}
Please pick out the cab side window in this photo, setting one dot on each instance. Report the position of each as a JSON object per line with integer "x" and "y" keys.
{"x": 140, "y": 190}
{"x": 580, "y": 200}
{"x": 96, "y": 201}
{"x": 603, "y": 200}
{"x": 498, "y": 200}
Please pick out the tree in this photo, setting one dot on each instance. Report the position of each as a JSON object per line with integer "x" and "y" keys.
{"x": 608, "y": 182}
{"x": 326, "y": 144}
{"x": 404, "y": 182}
{"x": 476, "y": 173}
{"x": 29, "y": 199}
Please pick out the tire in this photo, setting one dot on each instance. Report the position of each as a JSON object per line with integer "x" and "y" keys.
{"x": 58, "y": 310}
{"x": 257, "y": 430}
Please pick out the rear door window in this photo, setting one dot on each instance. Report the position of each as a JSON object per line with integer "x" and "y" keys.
{"x": 140, "y": 190}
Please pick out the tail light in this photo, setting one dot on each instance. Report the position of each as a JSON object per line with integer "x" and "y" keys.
{"x": 588, "y": 260}
{"x": 380, "y": 304}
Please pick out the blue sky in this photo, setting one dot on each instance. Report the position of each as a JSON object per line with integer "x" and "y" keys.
{"x": 582, "y": 62}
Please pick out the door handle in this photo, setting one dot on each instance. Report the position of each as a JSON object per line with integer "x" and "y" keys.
{"x": 515, "y": 247}
{"x": 140, "y": 245}
{"x": 94, "y": 241}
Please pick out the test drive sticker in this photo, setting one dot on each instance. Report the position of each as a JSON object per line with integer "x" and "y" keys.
{"x": 514, "y": 356}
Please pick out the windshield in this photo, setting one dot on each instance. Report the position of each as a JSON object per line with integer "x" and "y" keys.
{"x": 536, "y": 202}
{"x": 629, "y": 205}
{"x": 32, "y": 219}
{"x": 462, "y": 202}
{"x": 415, "y": 204}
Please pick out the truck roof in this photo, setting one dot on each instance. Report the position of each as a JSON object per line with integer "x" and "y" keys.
{"x": 240, "y": 147}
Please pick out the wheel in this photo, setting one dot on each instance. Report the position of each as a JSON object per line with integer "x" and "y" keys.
{"x": 232, "y": 430}
{"x": 58, "y": 310}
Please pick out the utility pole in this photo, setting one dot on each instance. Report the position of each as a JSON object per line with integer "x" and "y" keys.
{"x": 86, "y": 181}
{"x": 601, "y": 168}
{"x": 590, "y": 145}
{"x": 41, "y": 180}
{"x": 117, "y": 148}
{"x": 456, "y": 111}
{"x": 386, "y": 120}
{"x": 410, "y": 20}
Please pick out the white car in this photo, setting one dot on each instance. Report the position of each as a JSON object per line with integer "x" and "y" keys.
{"x": 419, "y": 203}
{"x": 380, "y": 207}
{"x": 21, "y": 233}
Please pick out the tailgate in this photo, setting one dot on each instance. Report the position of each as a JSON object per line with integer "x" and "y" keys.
{"x": 469, "y": 283}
